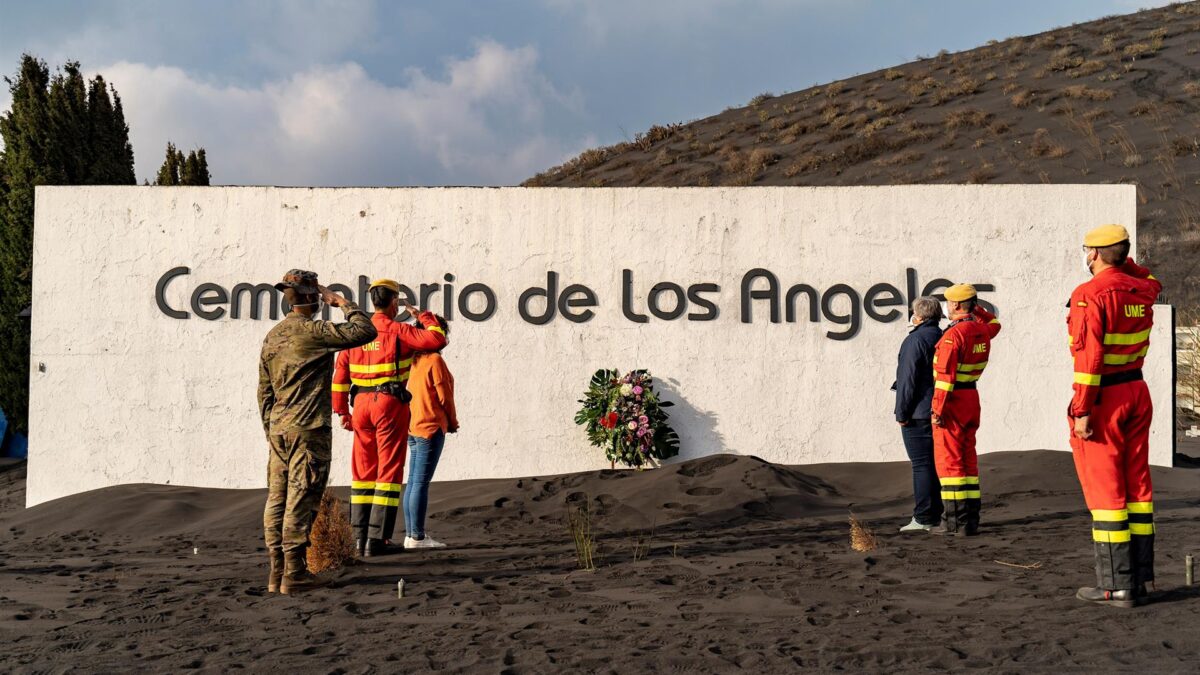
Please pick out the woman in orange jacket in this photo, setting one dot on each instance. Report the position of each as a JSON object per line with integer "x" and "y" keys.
{"x": 432, "y": 417}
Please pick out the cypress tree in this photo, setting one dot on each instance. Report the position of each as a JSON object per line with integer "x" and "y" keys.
{"x": 59, "y": 130}
{"x": 177, "y": 169}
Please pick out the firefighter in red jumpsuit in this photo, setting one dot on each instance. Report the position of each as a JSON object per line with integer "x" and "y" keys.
{"x": 958, "y": 363}
{"x": 1108, "y": 328}
{"x": 371, "y": 378}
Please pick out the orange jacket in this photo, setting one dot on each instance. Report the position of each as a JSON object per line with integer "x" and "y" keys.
{"x": 1108, "y": 328}
{"x": 432, "y": 389}
{"x": 385, "y": 359}
{"x": 962, "y": 354}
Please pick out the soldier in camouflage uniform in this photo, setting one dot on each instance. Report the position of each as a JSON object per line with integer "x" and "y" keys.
{"x": 295, "y": 371}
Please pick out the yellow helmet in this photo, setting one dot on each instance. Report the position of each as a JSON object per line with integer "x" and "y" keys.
{"x": 1106, "y": 235}
{"x": 385, "y": 283}
{"x": 960, "y": 293}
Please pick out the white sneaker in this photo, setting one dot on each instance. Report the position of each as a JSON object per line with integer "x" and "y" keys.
{"x": 427, "y": 542}
{"x": 912, "y": 526}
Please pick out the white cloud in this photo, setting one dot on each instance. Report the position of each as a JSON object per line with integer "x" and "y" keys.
{"x": 481, "y": 122}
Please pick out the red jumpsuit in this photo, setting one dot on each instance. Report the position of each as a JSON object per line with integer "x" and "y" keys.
{"x": 1108, "y": 329}
{"x": 958, "y": 363}
{"x": 380, "y": 419}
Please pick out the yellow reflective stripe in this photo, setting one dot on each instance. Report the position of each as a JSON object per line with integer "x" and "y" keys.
{"x": 1126, "y": 338}
{"x": 435, "y": 329}
{"x": 968, "y": 367}
{"x": 961, "y": 494}
{"x": 378, "y": 381}
{"x": 1070, "y": 340}
{"x": 341, "y": 387}
{"x": 1151, "y": 276}
{"x": 362, "y": 499}
{"x": 362, "y": 485}
{"x": 1122, "y": 359}
{"x": 967, "y": 378}
{"x": 389, "y": 487}
{"x": 1140, "y": 507}
{"x": 944, "y": 386}
{"x": 996, "y": 321}
{"x": 1110, "y": 516}
{"x": 960, "y": 480}
{"x": 1142, "y": 529}
{"x": 385, "y": 501}
{"x": 1088, "y": 379}
{"x": 1110, "y": 537}
{"x": 379, "y": 367}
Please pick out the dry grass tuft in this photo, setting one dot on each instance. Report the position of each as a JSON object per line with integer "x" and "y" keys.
{"x": 1088, "y": 93}
{"x": 1022, "y": 99}
{"x": 966, "y": 117}
{"x": 1192, "y": 89}
{"x": 862, "y": 539}
{"x": 579, "y": 522}
{"x": 332, "y": 542}
{"x": 1044, "y": 146}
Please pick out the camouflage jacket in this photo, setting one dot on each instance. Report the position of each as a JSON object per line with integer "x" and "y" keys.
{"x": 296, "y": 367}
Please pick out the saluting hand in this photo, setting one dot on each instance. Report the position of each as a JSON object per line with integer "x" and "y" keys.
{"x": 332, "y": 299}
{"x": 412, "y": 311}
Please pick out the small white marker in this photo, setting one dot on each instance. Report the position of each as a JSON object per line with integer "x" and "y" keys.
{"x": 195, "y": 550}
{"x": 400, "y": 589}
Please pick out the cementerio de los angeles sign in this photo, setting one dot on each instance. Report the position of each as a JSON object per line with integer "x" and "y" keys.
{"x": 575, "y": 302}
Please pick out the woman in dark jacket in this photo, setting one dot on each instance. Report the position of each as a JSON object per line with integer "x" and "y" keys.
{"x": 914, "y": 393}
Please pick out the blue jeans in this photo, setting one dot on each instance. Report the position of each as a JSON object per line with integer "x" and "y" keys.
{"x": 927, "y": 489}
{"x": 423, "y": 456}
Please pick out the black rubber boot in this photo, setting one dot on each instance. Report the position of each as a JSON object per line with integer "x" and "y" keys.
{"x": 378, "y": 547}
{"x": 360, "y": 547}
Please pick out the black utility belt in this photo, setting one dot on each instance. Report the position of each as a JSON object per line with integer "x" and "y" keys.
{"x": 1134, "y": 375}
{"x": 965, "y": 385}
{"x": 394, "y": 389}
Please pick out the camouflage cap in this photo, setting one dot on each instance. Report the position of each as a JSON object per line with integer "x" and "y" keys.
{"x": 301, "y": 280}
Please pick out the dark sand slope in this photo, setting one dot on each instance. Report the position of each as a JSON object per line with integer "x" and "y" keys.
{"x": 749, "y": 569}
{"x": 1110, "y": 101}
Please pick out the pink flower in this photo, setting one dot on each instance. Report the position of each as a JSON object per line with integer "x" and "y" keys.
{"x": 632, "y": 426}
{"x": 644, "y": 420}
{"x": 638, "y": 391}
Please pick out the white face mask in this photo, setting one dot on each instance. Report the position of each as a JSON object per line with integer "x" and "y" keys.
{"x": 1087, "y": 261}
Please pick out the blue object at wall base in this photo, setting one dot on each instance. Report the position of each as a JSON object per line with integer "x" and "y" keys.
{"x": 12, "y": 444}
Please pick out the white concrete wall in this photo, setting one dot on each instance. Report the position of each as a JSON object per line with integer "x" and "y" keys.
{"x": 130, "y": 395}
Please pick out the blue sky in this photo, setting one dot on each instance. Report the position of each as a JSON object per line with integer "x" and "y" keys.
{"x": 458, "y": 92}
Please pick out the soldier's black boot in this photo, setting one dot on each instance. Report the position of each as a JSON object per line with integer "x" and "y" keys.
{"x": 1115, "y": 582}
{"x": 297, "y": 578}
{"x": 378, "y": 547}
{"x": 360, "y": 547}
{"x": 953, "y": 518}
{"x": 276, "y": 574}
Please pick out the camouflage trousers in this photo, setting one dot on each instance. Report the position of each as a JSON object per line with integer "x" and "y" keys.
{"x": 297, "y": 471}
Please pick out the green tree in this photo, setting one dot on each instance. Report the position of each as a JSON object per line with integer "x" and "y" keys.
{"x": 177, "y": 169}
{"x": 60, "y": 130}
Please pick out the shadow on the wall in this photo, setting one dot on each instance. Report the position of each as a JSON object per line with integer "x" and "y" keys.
{"x": 697, "y": 429}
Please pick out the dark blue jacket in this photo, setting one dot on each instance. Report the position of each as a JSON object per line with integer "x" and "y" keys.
{"x": 914, "y": 373}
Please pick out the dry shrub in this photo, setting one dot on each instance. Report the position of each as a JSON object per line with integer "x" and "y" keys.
{"x": 876, "y": 126}
{"x": 758, "y": 100}
{"x": 1009, "y": 87}
{"x": 759, "y": 160}
{"x": 998, "y": 127}
{"x": 892, "y": 74}
{"x": 1138, "y": 50}
{"x": 916, "y": 89}
{"x": 862, "y": 539}
{"x": 1088, "y": 93}
{"x": 983, "y": 173}
{"x": 900, "y": 158}
{"x": 1109, "y": 44}
{"x": 1022, "y": 99}
{"x": 966, "y": 117}
{"x": 864, "y": 149}
{"x": 1088, "y": 68}
{"x": 1064, "y": 59}
{"x": 1184, "y": 146}
{"x": 1141, "y": 108}
{"x": 1044, "y": 146}
{"x": 331, "y": 542}
{"x": 655, "y": 134}
{"x": 1192, "y": 89}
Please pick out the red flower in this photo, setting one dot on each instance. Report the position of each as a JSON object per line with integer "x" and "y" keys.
{"x": 609, "y": 421}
